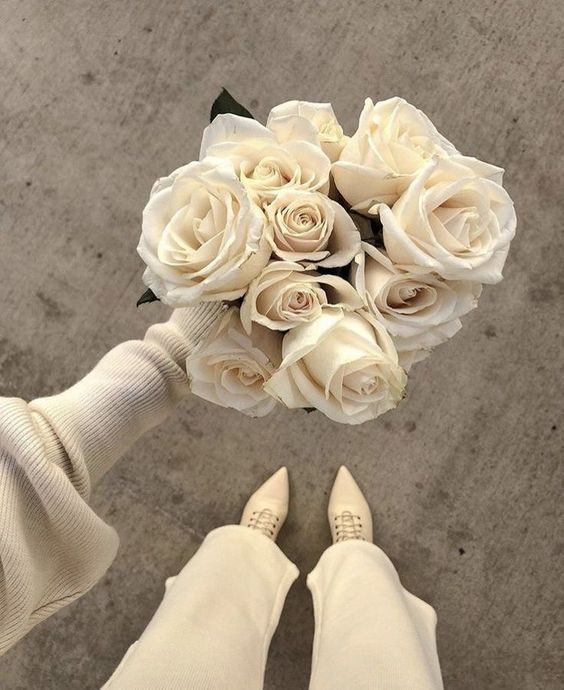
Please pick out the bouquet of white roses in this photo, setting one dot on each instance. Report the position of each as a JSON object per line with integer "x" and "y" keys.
{"x": 344, "y": 259}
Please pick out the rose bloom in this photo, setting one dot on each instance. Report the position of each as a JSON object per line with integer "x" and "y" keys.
{"x": 286, "y": 294}
{"x": 394, "y": 140}
{"x": 452, "y": 221}
{"x": 202, "y": 237}
{"x": 344, "y": 364}
{"x": 231, "y": 367}
{"x": 419, "y": 310}
{"x": 321, "y": 115}
{"x": 268, "y": 160}
{"x": 310, "y": 227}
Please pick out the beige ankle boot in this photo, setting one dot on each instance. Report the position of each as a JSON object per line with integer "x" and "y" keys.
{"x": 267, "y": 508}
{"x": 349, "y": 513}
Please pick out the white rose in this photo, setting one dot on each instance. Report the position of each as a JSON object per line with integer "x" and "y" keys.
{"x": 310, "y": 227}
{"x": 452, "y": 222}
{"x": 321, "y": 115}
{"x": 286, "y": 156}
{"x": 419, "y": 310}
{"x": 286, "y": 294}
{"x": 231, "y": 367}
{"x": 202, "y": 237}
{"x": 344, "y": 364}
{"x": 393, "y": 141}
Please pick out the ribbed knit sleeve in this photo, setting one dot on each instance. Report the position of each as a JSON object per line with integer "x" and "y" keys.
{"x": 53, "y": 547}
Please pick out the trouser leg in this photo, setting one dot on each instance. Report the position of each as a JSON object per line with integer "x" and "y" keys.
{"x": 370, "y": 633}
{"x": 213, "y": 628}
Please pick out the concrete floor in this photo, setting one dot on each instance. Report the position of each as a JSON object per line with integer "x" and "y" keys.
{"x": 97, "y": 99}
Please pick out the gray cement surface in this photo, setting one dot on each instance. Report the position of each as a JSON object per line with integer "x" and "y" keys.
{"x": 97, "y": 99}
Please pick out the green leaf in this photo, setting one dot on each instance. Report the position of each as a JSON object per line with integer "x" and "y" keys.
{"x": 225, "y": 103}
{"x": 147, "y": 296}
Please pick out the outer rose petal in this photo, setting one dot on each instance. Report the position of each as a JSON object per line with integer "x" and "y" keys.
{"x": 293, "y": 128}
{"x": 345, "y": 241}
{"x": 255, "y": 151}
{"x": 233, "y": 128}
{"x": 357, "y": 184}
{"x": 202, "y": 238}
{"x": 417, "y": 233}
{"x": 344, "y": 364}
{"x": 328, "y": 132}
{"x": 419, "y": 309}
{"x": 230, "y": 367}
{"x": 392, "y": 142}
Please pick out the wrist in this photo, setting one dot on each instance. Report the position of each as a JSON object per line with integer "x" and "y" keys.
{"x": 185, "y": 329}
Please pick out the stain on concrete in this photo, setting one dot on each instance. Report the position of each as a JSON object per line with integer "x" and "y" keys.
{"x": 490, "y": 331}
{"x": 193, "y": 433}
{"x": 540, "y": 294}
{"x": 88, "y": 78}
{"x": 178, "y": 497}
{"x": 51, "y": 307}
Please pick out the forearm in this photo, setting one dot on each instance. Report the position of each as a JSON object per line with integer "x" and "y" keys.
{"x": 53, "y": 547}
{"x": 132, "y": 389}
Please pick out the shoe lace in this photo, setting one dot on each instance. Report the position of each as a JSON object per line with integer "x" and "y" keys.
{"x": 265, "y": 521}
{"x": 348, "y": 526}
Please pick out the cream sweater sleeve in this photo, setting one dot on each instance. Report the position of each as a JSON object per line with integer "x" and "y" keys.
{"x": 53, "y": 547}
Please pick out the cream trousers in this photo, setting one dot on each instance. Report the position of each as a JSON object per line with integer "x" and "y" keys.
{"x": 213, "y": 628}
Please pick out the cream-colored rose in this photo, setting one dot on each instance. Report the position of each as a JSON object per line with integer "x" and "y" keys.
{"x": 321, "y": 115}
{"x": 394, "y": 140}
{"x": 268, "y": 160}
{"x": 231, "y": 367}
{"x": 202, "y": 237}
{"x": 451, "y": 221}
{"x": 344, "y": 364}
{"x": 310, "y": 227}
{"x": 286, "y": 294}
{"x": 419, "y": 310}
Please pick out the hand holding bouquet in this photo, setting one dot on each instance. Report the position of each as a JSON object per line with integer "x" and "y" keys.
{"x": 345, "y": 260}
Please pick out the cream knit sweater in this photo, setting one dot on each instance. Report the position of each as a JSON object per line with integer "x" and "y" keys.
{"x": 53, "y": 547}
